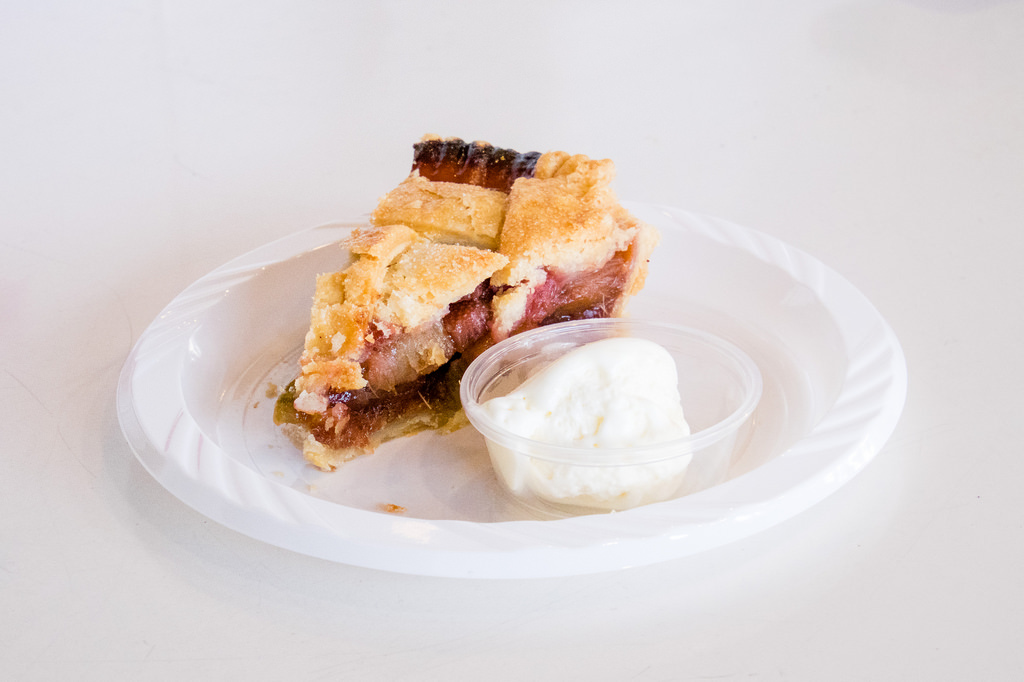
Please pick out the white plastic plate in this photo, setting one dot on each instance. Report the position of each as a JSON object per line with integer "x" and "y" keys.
{"x": 196, "y": 395}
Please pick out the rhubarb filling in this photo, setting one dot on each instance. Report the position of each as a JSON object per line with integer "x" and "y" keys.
{"x": 356, "y": 416}
{"x": 579, "y": 296}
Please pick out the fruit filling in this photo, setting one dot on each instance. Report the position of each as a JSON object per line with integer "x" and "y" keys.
{"x": 580, "y": 296}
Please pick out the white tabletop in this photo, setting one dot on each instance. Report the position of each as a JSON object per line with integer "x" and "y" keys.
{"x": 144, "y": 144}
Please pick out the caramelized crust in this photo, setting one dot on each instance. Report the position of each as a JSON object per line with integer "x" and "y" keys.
{"x": 474, "y": 163}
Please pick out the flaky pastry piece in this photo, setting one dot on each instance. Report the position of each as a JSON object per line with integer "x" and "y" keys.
{"x": 573, "y": 251}
{"x": 381, "y": 334}
{"x": 451, "y": 212}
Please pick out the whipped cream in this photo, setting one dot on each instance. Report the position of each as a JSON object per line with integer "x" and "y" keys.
{"x": 612, "y": 394}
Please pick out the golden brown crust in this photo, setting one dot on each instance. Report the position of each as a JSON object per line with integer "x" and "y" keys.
{"x": 561, "y": 220}
{"x": 427, "y": 277}
{"x": 567, "y": 220}
{"x": 445, "y": 211}
{"x": 383, "y": 243}
{"x": 643, "y": 245}
{"x": 336, "y": 337}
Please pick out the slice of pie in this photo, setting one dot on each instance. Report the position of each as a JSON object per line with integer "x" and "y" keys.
{"x": 477, "y": 244}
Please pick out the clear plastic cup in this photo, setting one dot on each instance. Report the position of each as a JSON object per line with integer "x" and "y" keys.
{"x": 720, "y": 387}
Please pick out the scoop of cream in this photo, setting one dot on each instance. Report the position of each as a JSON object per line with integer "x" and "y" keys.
{"x": 614, "y": 393}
